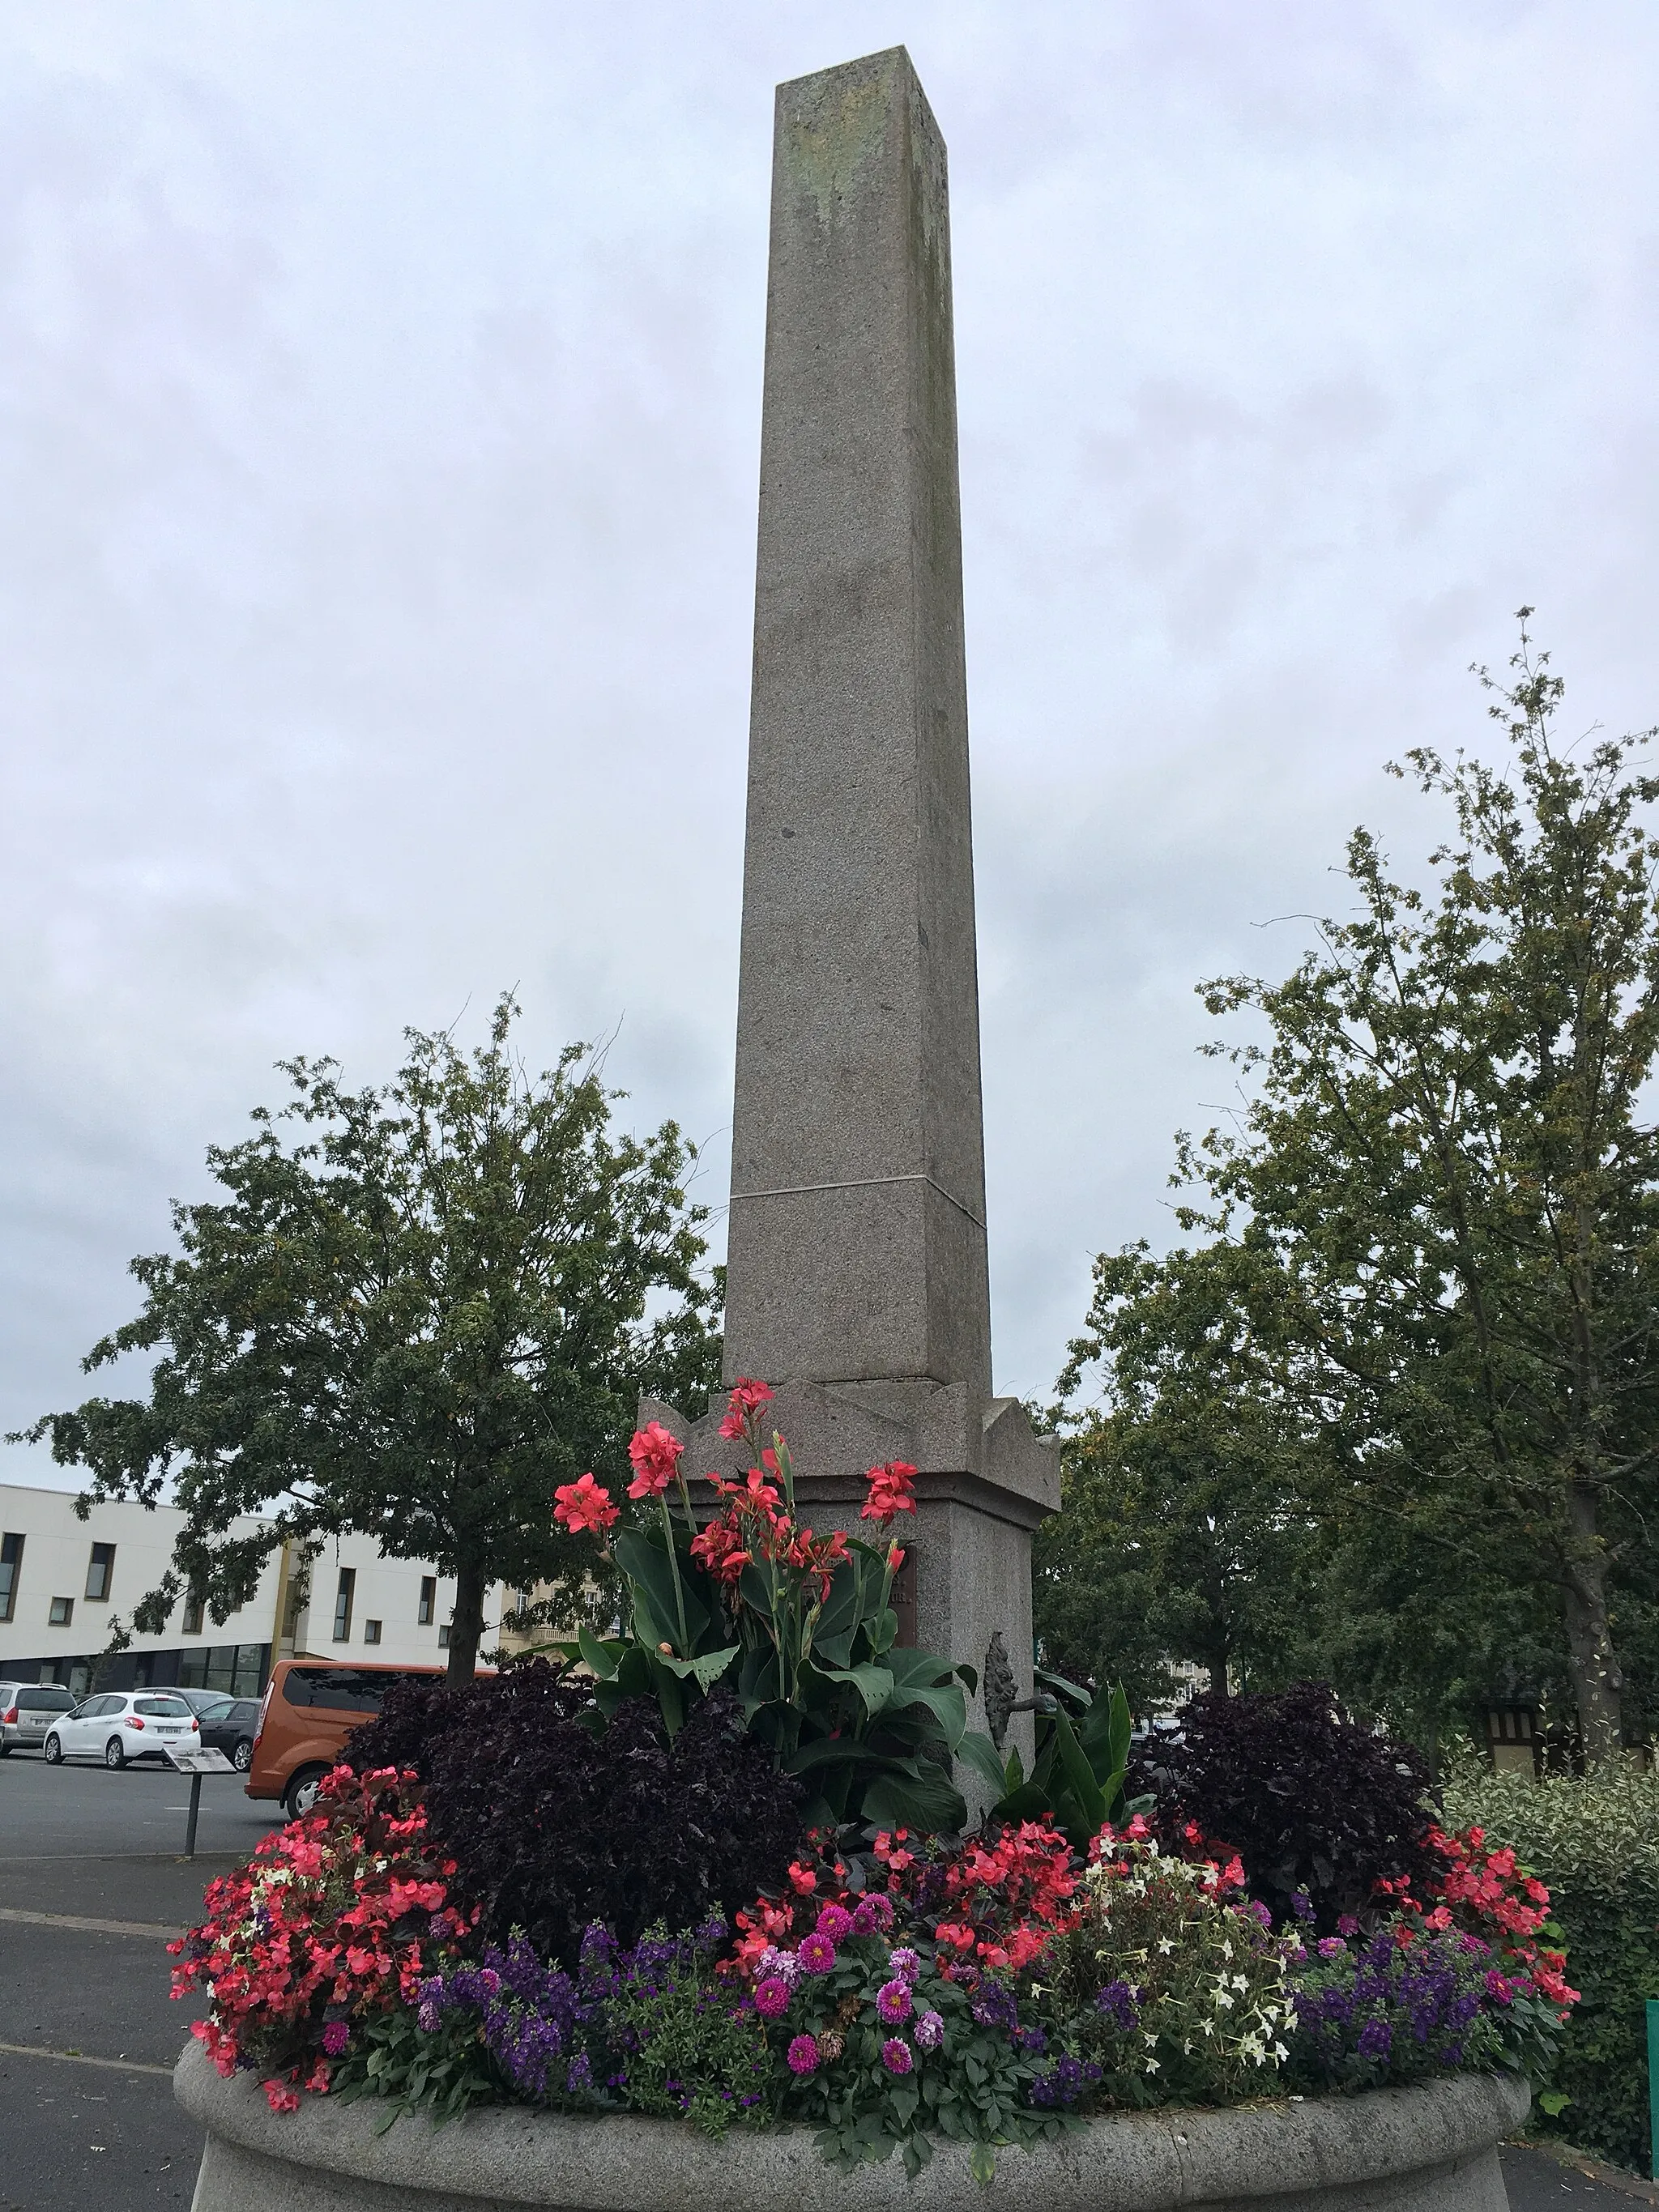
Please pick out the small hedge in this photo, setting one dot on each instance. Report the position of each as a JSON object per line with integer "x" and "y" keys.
{"x": 1596, "y": 1844}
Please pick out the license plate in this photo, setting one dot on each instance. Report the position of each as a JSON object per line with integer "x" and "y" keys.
{"x": 167, "y": 1731}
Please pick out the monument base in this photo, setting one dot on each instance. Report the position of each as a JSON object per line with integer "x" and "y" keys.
{"x": 1427, "y": 2149}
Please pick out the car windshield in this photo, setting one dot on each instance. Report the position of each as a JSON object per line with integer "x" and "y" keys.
{"x": 44, "y": 1701}
{"x": 162, "y": 1708}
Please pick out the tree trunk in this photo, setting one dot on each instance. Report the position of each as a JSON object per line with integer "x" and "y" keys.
{"x": 466, "y": 1628}
{"x": 1598, "y": 1680}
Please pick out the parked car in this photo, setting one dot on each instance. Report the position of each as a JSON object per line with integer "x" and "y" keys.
{"x": 311, "y": 1706}
{"x": 197, "y": 1700}
{"x": 27, "y": 1711}
{"x": 230, "y": 1724}
{"x": 120, "y": 1727}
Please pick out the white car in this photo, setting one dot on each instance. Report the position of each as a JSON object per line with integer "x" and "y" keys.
{"x": 121, "y": 1727}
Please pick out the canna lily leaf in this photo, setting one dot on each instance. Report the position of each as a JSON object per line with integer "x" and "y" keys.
{"x": 873, "y": 1684}
{"x": 981, "y": 1756}
{"x": 704, "y": 1671}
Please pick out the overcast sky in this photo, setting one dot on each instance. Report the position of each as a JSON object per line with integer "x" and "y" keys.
{"x": 379, "y": 410}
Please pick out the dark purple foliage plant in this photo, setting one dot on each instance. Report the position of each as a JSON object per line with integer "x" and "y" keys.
{"x": 556, "y": 1820}
{"x": 1313, "y": 1803}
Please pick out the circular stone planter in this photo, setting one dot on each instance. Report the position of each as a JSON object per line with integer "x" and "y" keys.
{"x": 1429, "y": 2149}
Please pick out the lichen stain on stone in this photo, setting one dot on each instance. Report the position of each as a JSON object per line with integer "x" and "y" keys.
{"x": 828, "y": 149}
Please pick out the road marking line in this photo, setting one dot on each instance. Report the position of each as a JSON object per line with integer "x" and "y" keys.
{"x": 153, "y": 1928}
{"x": 80, "y": 2058}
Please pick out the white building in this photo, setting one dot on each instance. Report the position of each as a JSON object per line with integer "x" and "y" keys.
{"x": 64, "y": 1583}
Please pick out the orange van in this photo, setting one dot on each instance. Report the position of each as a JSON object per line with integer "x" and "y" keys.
{"x": 310, "y": 1708}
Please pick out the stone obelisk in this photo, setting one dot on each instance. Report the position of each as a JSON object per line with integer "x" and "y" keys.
{"x": 857, "y": 1271}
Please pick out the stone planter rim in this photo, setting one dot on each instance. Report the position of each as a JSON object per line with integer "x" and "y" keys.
{"x": 1122, "y": 2162}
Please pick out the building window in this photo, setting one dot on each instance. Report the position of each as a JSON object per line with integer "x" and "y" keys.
{"x": 195, "y": 1608}
{"x": 63, "y": 1612}
{"x": 11, "y": 1563}
{"x": 100, "y": 1570}
{"x": 371, "y": 1631}
{"x": 428, "y": 1604}
{"x": 342, "y": 1605}
{"x": 443, "y": 1638}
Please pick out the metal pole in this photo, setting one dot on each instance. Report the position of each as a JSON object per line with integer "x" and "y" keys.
{"x": 1653, "y": 2085}
{"x": 195, "y": 1806}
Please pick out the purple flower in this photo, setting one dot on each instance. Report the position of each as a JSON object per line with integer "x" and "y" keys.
{"x": 579, "y": 2079}
{"x": 817, "y": 1954}
{"x": 802, "y": 2056}
{"x": 1118, "y": 2000}
{"x": 904, "y": 1962}
{"x": 1375, "y": 2039}
{"x": 336, "y": 2036}
{"x": 893, "y": 2002}
{"x": 428, "y": 2015}
{"x": 896, "y": 2055}
{"x": 782, "y": 1964}
{"x": 1347, "y": 1925}
{"x": 836, "y": 1922}
{"x": 1331, "y": 1947}
{"x": 873, "y": 1915}
{"x": 772, "y": 1997}
{"x": 1258, "y": 1912}
{"x": 1302, "y": 1905}
{"x": 929, "y": 2030}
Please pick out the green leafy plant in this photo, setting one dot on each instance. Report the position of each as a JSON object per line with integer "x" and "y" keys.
{"x": 1076, "y": 1774}
{"x": 800, "y": 1626}
{"x": 1595, "y": 1843}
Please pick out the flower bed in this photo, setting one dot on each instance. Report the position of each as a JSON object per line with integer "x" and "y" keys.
{"x": 438, "y": 1938}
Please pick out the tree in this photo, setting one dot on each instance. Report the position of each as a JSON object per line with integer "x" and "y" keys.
{"x": 419, "y": 1310}
{"x": 1185, "y": 1530}
{"x": 1448, "y": 1158}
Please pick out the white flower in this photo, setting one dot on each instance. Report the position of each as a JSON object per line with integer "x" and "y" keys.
{"x": 1166, "y": 1944}
{"x": 1151, "y": 2066}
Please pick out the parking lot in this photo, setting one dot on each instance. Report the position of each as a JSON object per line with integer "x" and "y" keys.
{"x": 91, "y": 1888}
{"x": 92, "y": 1885}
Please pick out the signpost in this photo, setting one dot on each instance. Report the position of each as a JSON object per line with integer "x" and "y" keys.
{"x": 196, "y": 1760}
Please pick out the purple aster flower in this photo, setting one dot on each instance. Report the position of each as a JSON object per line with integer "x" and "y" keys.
{"x": 428, "y": 2015}
{"x": 873, "y": 1915}
{"x": 336, "y": 2036}
{"x": 904, "y": 1962}
{"x": 772, "y": 1997}
{"x": 1331, "y": 1947}
{"x": 929, "y": 2030}
{"x": 784, "y": 1965}
{"x": 1347, "y": 1925}
{"x": 893, "y": 2002}
{"x": 802, "y": 2056}
{"x": 817, "y": 1954}
{"x": 836, "y": 1922}
{"x": 896, "y": 2055}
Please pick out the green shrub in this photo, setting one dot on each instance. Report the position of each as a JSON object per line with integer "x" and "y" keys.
{"x": 1596, "y": 1844}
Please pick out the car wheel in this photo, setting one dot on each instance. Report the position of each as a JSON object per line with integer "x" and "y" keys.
{"x": 114, "y": 1758}
{"x": 52, "y": 1751}
{"x": 300, "y": 1794}
{"x": 242, "y": 1758}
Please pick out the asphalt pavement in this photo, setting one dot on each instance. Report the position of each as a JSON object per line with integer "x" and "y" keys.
{"x": 92, "y": 1884}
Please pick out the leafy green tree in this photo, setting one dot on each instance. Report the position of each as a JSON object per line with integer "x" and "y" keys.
{"x": 1449, "y": 1158}
{"x": 418, "y": 1310}
{"x": 1185, "y": 1530}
